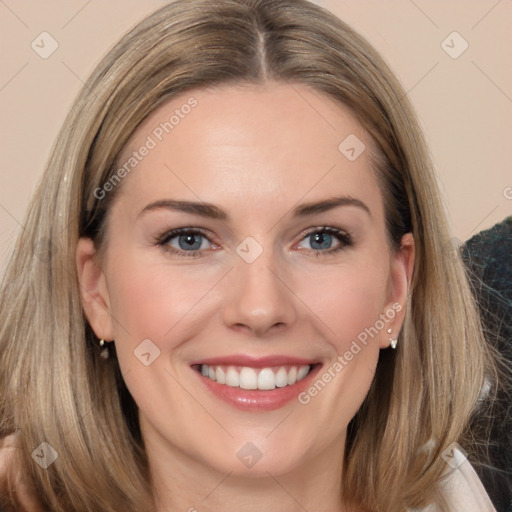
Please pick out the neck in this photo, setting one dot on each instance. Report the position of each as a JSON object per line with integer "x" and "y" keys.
{"x": 181, "y": 482}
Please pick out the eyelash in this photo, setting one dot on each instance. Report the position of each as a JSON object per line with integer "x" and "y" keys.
{"x": 163, "y": 240}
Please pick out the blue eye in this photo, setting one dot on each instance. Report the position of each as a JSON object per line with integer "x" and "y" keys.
{"x": 189, "y": 242}
{"x": 321, "y": 240}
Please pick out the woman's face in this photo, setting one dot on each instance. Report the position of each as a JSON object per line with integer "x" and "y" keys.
{"x": 281, "y": 266}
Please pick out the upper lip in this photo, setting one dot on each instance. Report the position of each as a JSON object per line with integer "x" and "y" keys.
{"x": 254, "y": 362}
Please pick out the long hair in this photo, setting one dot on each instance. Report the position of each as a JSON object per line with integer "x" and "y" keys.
{"x": 54, "y": 386}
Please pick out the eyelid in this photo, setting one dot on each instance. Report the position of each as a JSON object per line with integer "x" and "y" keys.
{"x": 163, "y": 239}
{"x": 324, "y": 228}
{"x": 344, "y": 237}
{"x": 171, "y": 233}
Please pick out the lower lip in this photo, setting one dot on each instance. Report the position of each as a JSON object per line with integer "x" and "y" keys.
{"x": 256, "y": 400}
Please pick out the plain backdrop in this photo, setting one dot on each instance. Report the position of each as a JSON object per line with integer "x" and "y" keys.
{"x": 463, "y": 98}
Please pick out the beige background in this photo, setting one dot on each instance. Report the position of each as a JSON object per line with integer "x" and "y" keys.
{"x": 464, "y": 104}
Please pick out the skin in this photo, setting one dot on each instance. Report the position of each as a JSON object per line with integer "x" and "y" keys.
{"x": 12, "y": 478}
{"x": 257, "y": 152}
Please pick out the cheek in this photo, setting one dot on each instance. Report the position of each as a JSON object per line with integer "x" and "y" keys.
{"x": 157, "y": 301}
{"x": 159, "y": 304}
{"x": 154, "y": 301}
{"x": 166, "y": 305}
{"x": 350, "y": 303}
{"x": 348, "y": 300}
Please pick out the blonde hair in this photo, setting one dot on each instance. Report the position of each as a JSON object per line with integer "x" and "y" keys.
{"x": 54, "y": 386}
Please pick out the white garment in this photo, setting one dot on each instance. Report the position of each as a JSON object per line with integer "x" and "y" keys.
{"x": 462, "y": 488}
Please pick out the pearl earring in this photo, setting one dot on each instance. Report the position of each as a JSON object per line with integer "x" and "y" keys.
{"x": 104, "y": 349}
{"x": 392, "y": 342}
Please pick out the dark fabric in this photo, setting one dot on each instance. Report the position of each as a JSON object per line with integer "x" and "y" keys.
{"x": 488, "y": 260}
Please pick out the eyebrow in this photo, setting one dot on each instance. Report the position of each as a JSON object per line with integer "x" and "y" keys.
{"x": 214, "y": 212}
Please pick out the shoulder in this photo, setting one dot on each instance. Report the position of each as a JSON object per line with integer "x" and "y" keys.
{"x": 11, "y": 476}
{"x": 461, "y": 487}
{"x": 7, "y": 447}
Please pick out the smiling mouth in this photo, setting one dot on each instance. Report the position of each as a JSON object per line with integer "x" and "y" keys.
{"x": 263, "y": 379}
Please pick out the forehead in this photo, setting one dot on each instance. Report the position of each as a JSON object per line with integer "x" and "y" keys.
{"x": 252, "y": 142}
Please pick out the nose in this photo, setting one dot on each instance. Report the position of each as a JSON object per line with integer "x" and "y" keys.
{"x": 258, "y": 299}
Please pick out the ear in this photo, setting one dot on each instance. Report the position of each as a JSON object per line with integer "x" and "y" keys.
{"x": 402, "y": 265}
{"x": 93, "y": 290}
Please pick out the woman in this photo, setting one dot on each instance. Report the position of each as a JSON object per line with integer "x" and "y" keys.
{"x": 233, "y": 289}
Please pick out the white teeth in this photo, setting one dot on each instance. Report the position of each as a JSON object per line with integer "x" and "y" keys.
{"x": 292, "y": 375}
{"x": 253, "y": 378}
{"x": 302, "y": 372}
{"x": 266, "y": 379}
{"x": 281, "y": 378}
{"x": 221, "y": 376}
{"x": 248, "y": 379}
{"x": 232, "y": 378}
